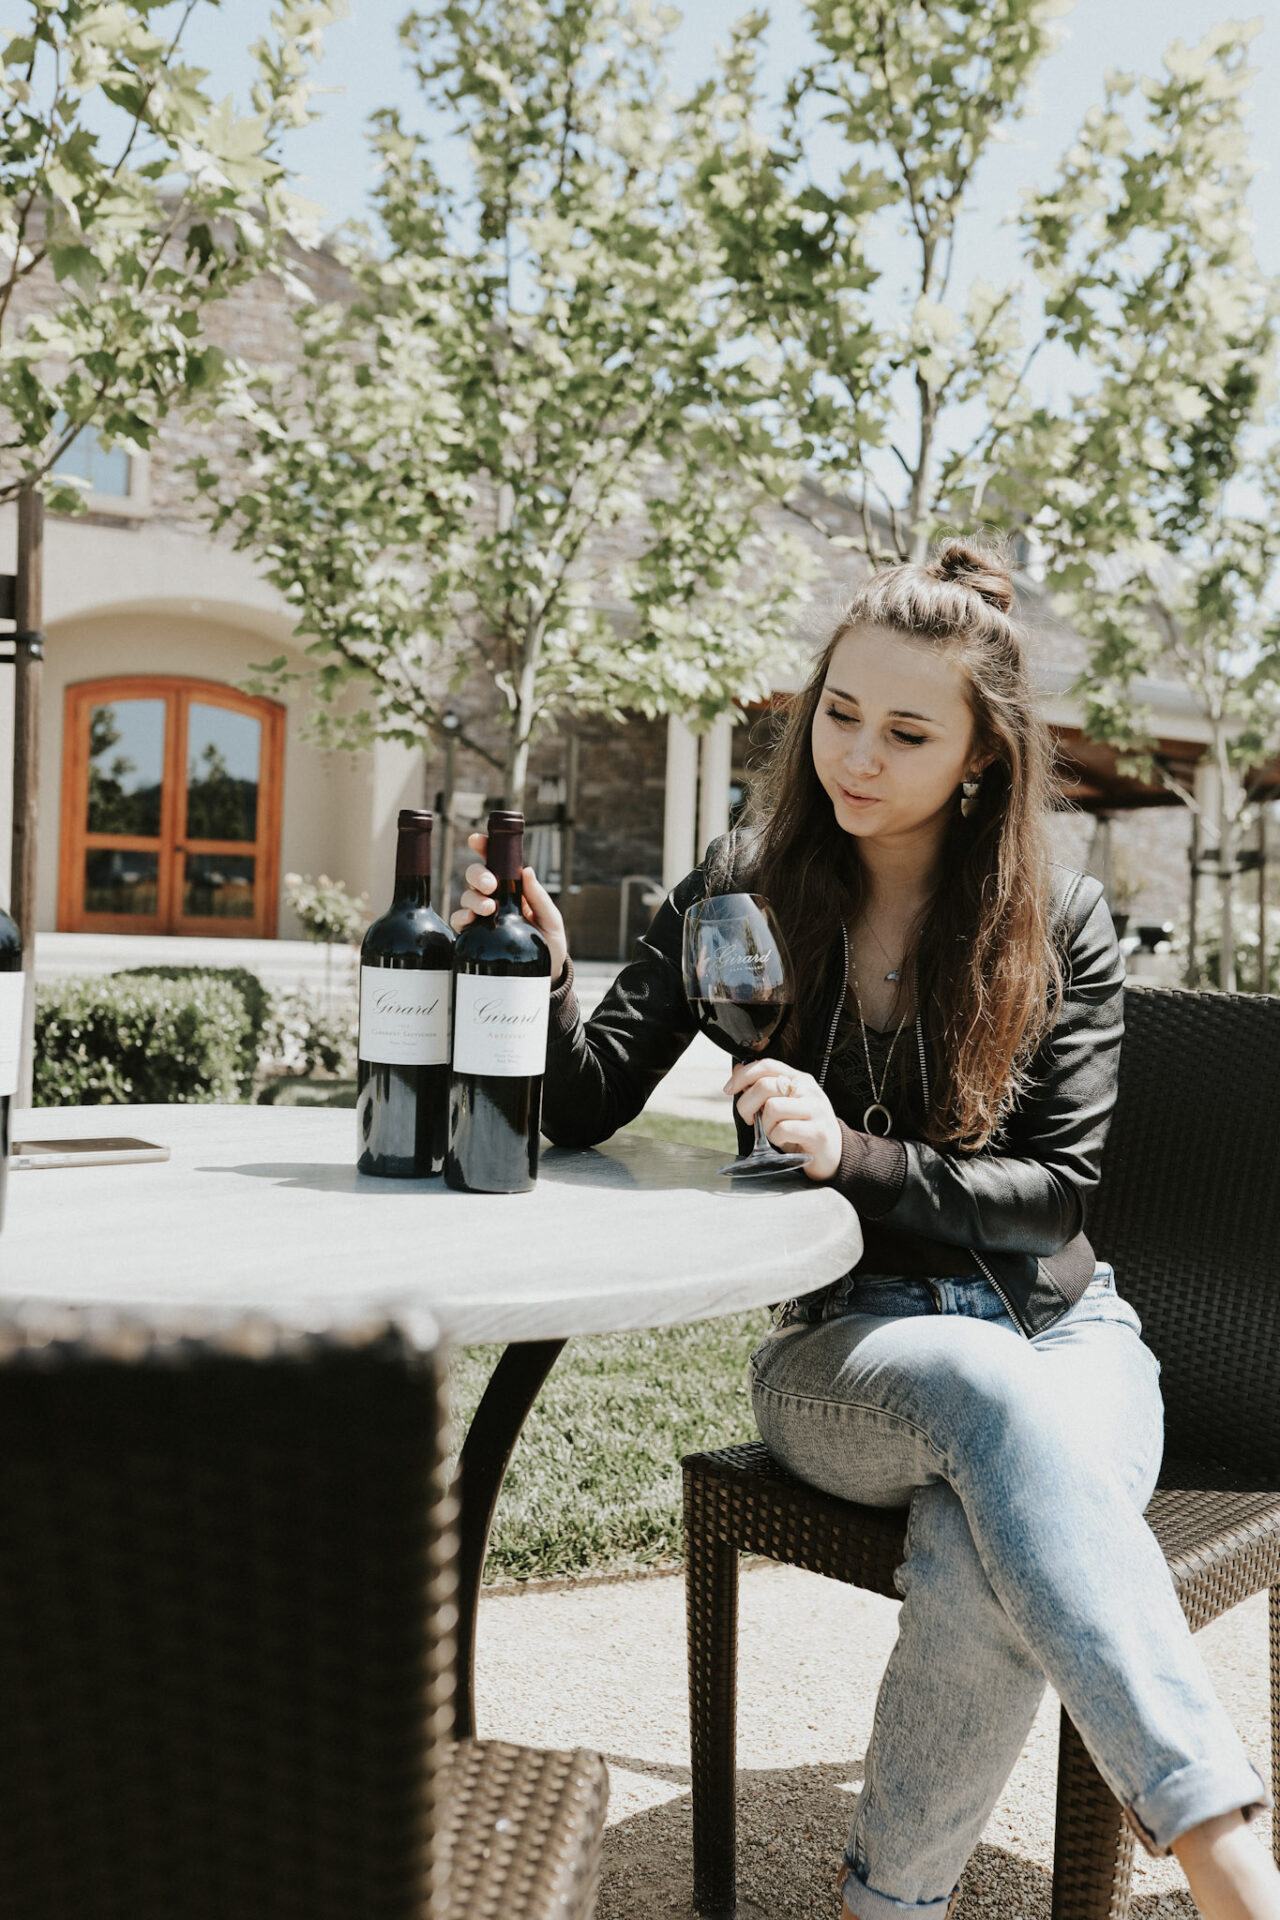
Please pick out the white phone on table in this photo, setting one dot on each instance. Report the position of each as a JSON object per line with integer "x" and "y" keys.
{"x": 114, "y": 1150}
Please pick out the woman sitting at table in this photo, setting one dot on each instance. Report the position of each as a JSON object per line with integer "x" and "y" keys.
{"x": 951, "y": 1070}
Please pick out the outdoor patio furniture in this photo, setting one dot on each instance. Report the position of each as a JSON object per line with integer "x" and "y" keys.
{"x": 227, "y": 1584}
{"x": 1188, "y": 1212}
{"x": 261, "y": 1208}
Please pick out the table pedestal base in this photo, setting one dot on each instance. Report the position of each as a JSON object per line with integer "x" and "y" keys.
{"x": 482, "y": 1466}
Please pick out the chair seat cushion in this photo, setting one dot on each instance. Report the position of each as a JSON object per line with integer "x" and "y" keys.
{"x": 523, "y": 1830}
{"x": 1222, "y": 1543}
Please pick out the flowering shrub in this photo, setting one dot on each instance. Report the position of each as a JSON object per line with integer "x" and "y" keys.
{"x": 325, "y": 909}
{"x": 302, "y": 1033}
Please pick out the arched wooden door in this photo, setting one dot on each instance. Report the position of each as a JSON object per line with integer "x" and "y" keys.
{"x": 170, "y": 808}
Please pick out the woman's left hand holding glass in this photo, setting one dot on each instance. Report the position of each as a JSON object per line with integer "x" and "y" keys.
{"x": 795, "y": 1113}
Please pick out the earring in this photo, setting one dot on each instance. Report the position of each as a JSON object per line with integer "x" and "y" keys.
{"x": 969, "y": 796}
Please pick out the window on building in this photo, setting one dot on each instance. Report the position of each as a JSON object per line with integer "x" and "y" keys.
{"x": 107, "y": 472}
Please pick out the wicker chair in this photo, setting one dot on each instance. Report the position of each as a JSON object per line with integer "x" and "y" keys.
{"x": 1189, "y": 1214}
{"x": 226, "y": 1641}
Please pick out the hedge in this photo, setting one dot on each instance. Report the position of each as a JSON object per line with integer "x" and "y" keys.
{"x": 257, "y": 1005}
{"x": 135, "y": 1040}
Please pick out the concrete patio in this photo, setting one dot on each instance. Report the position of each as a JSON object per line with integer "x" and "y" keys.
{"x": 602, "y": 1666}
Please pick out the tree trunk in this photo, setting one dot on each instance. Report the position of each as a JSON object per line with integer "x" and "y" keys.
{"x": 516, "y": 775}
{"x": 517, "y": 769}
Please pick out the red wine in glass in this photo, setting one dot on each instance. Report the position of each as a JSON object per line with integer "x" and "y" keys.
{"x": 738, "y": 981}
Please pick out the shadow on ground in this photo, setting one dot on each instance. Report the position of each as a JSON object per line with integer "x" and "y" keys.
{"x": 792, "y": 1825}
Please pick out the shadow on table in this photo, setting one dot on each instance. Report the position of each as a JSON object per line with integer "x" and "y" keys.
{"x": 625, "y": 1164}
{"x": 792, "y": 1827}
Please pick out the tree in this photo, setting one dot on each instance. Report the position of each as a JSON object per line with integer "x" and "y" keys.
{"x": 904, "y": 392}
{"x": 129, "y": 202}
{"x": 1159, "y": 524}
{"x": 521, "y": 449}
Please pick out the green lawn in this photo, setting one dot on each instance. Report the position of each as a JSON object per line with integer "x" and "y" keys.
{"x": 595, "y": 1483}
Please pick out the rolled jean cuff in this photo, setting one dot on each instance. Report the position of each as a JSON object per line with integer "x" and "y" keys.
{"x": 1193, "y": 1794}
{"x": 871, "y": 1905}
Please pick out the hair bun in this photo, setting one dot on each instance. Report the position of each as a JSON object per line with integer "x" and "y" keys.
{"x": 982, "y": 569}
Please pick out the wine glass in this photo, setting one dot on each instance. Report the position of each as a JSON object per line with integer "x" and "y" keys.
{"x": 738, "y": 980}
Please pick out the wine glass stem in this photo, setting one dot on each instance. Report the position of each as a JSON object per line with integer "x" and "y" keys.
{"x": 763, "y": 1144}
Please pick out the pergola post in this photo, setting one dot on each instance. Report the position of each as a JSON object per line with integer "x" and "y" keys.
{"x": 680, "y": 806}
{"x": 1102, "y": 856}
{"x": 1263, "y": 958}
{"x": 1193, "y": 902}
{"x": 713, "y": 787}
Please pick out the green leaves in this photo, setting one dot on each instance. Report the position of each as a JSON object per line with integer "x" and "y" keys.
{"x": 523, "y": 449}
{"x": 129, "y": 201}
{"x": 1157, "y": 515}
{"x": 871, "y": 362}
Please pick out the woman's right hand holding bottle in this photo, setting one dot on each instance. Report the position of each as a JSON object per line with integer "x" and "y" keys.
{"x": 540, "y": 910}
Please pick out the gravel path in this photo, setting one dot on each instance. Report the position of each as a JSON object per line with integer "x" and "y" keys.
{"x": 603, "y": 1666}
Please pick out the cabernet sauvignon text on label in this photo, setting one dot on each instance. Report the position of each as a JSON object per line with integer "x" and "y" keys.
{"x": 404, "y": 1016}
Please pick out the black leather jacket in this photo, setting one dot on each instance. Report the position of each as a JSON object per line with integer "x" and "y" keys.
{"x": 1018, "y": 1206}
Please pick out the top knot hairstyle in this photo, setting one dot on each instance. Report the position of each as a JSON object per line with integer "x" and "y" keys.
{"x": 989, "y": 978}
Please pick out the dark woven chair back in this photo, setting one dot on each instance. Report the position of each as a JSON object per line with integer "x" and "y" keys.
{"x": 1188, "y": 1213}
{"x": 220, "y": 1688}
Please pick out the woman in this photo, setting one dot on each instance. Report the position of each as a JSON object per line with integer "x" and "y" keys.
{"x": 953, "y": 1074}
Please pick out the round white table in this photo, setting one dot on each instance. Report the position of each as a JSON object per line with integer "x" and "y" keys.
{"x": 260, "y": 1209}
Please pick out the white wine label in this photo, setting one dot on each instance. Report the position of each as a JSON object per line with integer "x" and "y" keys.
{"x": 404, "y": 1016}
{"x": 500, "y": 1026}
{"x": 12, "y": 987}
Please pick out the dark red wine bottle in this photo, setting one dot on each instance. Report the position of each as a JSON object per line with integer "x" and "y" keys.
{"x": 406, "y": 978}
{"x": 501, "y": 998}
{"x": 12, "y": 986}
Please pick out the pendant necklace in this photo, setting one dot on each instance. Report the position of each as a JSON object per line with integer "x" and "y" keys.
{"x": 884, "y": 1126}
{"x": 895, "y": 973}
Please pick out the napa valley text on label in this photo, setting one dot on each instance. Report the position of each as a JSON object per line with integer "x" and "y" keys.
{"x": 404, "y": 1017}
{"x": 11, "y": 991}
{"x": 500, "y": 1026}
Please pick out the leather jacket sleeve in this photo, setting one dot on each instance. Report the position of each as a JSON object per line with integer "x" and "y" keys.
{"x": 599, "y": 1075}
{"x": 1027, "y": 1193}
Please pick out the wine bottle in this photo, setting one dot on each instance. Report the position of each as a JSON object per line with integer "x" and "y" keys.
{"x": 406, "y": 979}
{"x": 501, "y": 998}
{"x": 12, "y": 989}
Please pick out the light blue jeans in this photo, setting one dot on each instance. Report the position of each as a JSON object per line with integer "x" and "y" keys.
{"x": 1026, "y": 1465}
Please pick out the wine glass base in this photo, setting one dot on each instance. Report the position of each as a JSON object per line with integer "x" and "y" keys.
{"x": 765, "y": 1166}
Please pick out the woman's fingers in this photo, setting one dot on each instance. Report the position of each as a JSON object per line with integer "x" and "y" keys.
{"x": 773, "y": 1106}
{"x": 541, "y": 908}
{"x": 753, "y": 1070}
{"x": 766, "y": 1080}
{"x": 795, "y": 1114}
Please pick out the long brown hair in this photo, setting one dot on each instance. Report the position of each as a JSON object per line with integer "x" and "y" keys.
{"x": 988, "y": 974}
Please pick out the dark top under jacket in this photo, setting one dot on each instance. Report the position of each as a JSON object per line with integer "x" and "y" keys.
{"x": 1015, "y": 1210}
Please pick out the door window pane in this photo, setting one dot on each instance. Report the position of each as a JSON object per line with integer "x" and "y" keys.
{"x": 118, "y": 880}
{"x": 126, "y": 767}
{"x": 224, "y": 751}
{"x": 218, "y": 886}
